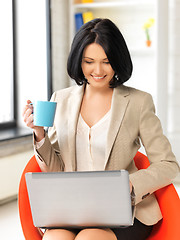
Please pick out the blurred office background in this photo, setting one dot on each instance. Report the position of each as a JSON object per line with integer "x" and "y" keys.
{"x": 33, "y": 65}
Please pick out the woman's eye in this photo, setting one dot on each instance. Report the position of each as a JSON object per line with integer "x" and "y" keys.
{"x": 106, "y": 62}
{"x": 88, "y": 62}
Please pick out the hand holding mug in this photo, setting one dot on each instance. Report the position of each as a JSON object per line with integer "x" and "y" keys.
{"x": 28, "y": 117}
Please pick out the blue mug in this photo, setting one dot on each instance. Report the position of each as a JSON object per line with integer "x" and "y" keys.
{"x": 44, "y": 113}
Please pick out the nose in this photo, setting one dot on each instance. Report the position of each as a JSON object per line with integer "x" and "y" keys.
{"x": 98, "y": 70}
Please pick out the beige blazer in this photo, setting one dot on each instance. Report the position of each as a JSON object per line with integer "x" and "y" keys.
{"x": 132, "y": 119}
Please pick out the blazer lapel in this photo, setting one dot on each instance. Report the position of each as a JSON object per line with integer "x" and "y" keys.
{"x": 73, "y": 113}
{"x": 119, "y": 104}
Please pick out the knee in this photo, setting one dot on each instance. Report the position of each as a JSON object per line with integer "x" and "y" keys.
{"x": 55, "y": 234}
{"x": 96, "y": 233}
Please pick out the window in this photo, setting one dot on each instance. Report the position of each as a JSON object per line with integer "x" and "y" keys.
{"x": 25, "y": 52}
{"x": 7, "y": 63}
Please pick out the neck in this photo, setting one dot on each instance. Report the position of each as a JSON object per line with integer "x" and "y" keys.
{"x": 90, "y": 91}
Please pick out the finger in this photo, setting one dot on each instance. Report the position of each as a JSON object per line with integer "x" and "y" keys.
{"x": 28, "y": 106}
{"x": 27, "y": 114}
{"x": 30, "y": 121}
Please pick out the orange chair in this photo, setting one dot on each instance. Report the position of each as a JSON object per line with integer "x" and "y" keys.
{"x": 169, "y": 227}
{"x": 168, "y": 199}
{"x": 30, "y": 232}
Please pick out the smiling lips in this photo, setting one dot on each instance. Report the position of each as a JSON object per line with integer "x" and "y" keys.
{"x": 98, "y": 78}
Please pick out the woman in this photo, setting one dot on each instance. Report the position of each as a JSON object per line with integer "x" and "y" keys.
{"x": 107, "y": 120}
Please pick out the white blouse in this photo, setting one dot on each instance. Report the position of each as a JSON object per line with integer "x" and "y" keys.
{"x": 91, "y": 144}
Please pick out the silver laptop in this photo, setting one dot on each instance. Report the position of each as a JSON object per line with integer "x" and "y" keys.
{"x": 80, "y": 199}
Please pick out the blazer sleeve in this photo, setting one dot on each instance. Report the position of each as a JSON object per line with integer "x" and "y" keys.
{"x": 163, "y": 165}
{"x": 48, "y": 155}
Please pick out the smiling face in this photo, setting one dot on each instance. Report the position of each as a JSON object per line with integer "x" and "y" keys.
{"x": 96, "y": 67}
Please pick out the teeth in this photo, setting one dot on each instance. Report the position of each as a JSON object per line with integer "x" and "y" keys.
{"x": 98, "y": 77}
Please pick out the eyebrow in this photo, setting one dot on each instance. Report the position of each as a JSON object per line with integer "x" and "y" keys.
{"x": 93, "y": 59}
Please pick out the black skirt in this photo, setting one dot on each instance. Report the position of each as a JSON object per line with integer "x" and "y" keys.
{"x": 138, "y": 231}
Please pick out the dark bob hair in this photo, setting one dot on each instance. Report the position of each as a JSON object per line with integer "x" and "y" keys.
{"x": 105, "y": 33}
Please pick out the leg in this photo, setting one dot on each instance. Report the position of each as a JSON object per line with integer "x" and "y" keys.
{"x": 96, "y": 233}
{"x": 59, "y": 234}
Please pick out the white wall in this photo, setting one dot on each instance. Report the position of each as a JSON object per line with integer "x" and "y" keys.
{"x": 11, "y": 168}
{"x": 174, "y": 77}
{"x": 174, "y": 71}
{"x": 60, "y": 42}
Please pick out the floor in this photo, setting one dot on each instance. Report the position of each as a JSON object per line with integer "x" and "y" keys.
{"x": 10, "y": 227}
{"x": 9, "y": 221}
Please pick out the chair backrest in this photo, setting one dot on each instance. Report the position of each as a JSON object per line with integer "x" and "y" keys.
{"x": 30, "y": 232}
{"x": 168, "y": 199}
{"x": 169, "y": 227}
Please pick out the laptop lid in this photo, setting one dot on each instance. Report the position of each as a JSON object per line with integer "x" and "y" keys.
{"x": 80, "y": 199}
